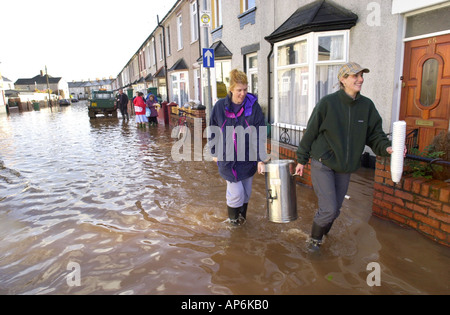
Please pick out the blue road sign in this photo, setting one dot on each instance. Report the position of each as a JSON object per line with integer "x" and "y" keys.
{"x": 208, "y": 58}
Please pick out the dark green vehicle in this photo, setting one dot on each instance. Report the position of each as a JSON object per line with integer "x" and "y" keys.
{"x": 102, "y": 102}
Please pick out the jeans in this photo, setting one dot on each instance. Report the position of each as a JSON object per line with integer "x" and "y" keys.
{"x": 330, "y": 188}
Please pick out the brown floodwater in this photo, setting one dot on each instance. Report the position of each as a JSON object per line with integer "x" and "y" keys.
{"x": 100, "y": 207}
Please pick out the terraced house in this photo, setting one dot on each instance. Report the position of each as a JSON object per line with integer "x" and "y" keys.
{"x": 292, "y": 51}
{"x": 167, "y": 59}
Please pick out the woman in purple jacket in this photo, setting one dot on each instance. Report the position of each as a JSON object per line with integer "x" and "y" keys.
{"x": 236, "y": 147}
{"x": 153, "y": 115}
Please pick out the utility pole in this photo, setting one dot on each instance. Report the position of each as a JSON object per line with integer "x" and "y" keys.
{"x": 165, "y": 57}
{"x": 48, "y": 88}
{"x": 208, "y": 97}
{"x": 3, "y": 101}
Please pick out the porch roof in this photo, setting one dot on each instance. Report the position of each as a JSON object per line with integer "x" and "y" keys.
{"x": 179, "y": 65}
{"x": 221, "y": 51}
{"x": 149, "y": 78}
{"x": 160, "y": 73}
{"x": 319, "y": 16}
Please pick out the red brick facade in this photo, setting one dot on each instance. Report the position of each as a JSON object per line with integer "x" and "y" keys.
{"x": 419, "y": 203}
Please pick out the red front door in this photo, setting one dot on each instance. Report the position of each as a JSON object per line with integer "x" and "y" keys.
{"x": 425, "y": 100}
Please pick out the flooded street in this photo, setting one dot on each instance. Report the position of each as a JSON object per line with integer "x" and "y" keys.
{"x": 106, "y": 199}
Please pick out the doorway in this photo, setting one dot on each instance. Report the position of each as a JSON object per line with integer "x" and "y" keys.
{"x": 425, "y": 97}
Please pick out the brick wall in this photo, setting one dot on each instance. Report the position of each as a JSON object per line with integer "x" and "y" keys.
{"x": 191, "y": 114}
{"x": 419, "y": 203}
{"x": 414, "y": 202}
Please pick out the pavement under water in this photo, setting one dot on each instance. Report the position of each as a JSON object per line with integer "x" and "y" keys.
{"x": 100, "y": 207}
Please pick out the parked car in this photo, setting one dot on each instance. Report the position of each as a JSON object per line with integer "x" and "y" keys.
{"x": 74, "y": 100}
{"x": 64, "y": 102}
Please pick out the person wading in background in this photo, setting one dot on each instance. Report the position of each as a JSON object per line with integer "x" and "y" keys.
{"x": 122, "y": 102}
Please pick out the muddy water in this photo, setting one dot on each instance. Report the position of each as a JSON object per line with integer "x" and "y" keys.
{"x": 100, "y": 207}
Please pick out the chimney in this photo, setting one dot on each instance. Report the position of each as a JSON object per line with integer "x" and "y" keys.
{"x": 42, "y": 73}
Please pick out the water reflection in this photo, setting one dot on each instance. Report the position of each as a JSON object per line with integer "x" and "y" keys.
{"x": 107, "y": 196}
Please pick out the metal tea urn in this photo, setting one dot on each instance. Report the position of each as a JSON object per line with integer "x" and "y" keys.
{"x": 281, "y": 191}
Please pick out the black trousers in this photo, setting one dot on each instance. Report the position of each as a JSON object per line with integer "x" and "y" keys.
{"x": 124, "y": 111}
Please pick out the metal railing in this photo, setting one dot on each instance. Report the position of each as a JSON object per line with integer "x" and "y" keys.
{"x": 292, "y": 135}
{"x": 287, "y": 134}
{"x": 430, "y": 161}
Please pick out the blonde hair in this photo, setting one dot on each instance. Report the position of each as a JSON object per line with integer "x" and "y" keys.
{"x": 237, "y": 77}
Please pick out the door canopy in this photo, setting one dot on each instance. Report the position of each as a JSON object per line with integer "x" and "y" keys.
{"x": 319, "y": 16}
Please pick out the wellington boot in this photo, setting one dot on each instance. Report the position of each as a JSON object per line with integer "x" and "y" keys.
{"x": 327, "y": 228}
{"x": 315, "y": 241}
{"x": 234, "y": 214}
{"x": 244, "y": 211}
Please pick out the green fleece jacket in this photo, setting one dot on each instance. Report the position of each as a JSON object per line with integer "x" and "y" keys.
{"x": 338, "y": 130}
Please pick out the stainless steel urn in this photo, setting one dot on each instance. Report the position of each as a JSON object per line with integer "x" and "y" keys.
{"x": 281, "y": 191}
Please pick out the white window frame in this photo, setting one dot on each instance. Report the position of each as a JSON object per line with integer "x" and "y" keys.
{"x": 312, "y": 63}
{"x": 161, "y": 47}
{"x": 178, "y": 82}
{"x": 147, "y": 56}
{"x": 194, "y": 22}
{"x": 153, "y": 52}
{"x": 219, "y": 65}
{"x": 245, "y": 5}
{"x": 251, "y": 71}
{"x": 218, "y": 13}
{"x": 169, "y": 46}
{"x": 180, "y": 31}
{"x": 198, "y": 84}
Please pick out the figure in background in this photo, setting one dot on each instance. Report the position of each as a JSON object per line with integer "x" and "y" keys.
{"x": 122, "y": 103}
{"x": 139, "y": 108}
{"x": 152, "y": 112}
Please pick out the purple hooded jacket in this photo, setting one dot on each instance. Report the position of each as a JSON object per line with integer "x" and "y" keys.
{"x": 240, "y": 161}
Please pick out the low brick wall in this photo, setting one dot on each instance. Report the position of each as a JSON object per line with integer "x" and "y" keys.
{"x": 191, "y": 114}
{"x": 414, "y": 202}
{"x": 419, "y": 203}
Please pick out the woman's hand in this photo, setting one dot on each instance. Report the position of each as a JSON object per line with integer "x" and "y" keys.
{"x": 299, "y": 169}
{"x": 261, "y": 168}
{"x": 390, "y": 151}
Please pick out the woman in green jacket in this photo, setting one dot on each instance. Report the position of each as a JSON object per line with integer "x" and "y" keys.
{"x": 339, "y": 128}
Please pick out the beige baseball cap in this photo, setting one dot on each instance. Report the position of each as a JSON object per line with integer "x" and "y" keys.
{"x": 351, "y": 68}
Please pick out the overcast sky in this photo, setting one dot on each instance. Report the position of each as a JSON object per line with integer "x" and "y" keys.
{"x": 82, "y": 39}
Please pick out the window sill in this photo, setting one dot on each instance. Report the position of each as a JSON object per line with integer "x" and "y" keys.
{"x": 248, "y": 17}
{"x": 240, "y": 16}
{"x": 217, "y": 29}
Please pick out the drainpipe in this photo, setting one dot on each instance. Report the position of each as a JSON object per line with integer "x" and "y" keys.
{"x": 269, "y": 85}
{"x": 199, "y": 31}
{"x": 165, "y": 58}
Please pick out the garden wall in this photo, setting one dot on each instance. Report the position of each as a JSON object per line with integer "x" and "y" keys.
{"x": 423, "y": 204}
{"x": 419, "y": 203}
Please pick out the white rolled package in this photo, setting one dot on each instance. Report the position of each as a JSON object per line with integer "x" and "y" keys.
{"x": 398, "y": 146}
